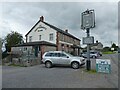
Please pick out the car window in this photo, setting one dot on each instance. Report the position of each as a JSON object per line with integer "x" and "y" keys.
{"x": 49, "y": 54}
{"x": 62, "y": 55}
{"x": 52, "y": 55}
{"x": 84, "y": 52}
{"x": 56, "y": 55}
{"x": 93, "y": 52}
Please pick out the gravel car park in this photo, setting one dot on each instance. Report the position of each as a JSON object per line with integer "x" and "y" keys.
{"x": 60, "y": 77}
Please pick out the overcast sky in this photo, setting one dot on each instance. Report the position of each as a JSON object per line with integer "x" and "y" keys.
{"x": 21, "y": 17}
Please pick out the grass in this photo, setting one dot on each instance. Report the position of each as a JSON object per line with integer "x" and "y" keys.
{"x": 16, "y": 65}
{"x": 91, "y": 71}
{"x": 109, "y": 52}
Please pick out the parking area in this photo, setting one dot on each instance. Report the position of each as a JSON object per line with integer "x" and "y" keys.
{"x": 60, "y": 77}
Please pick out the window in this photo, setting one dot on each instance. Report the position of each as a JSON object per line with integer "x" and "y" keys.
{"x": 51, "y": 37}
{"x": 63, "y": 37}
{"x": 40, "y": 37}
{"x": 40, "y": 30}
{"x": 25, "y": 48}
{"x": 48, "y": 54}
{"x": 62, "y": 55}
{"x": 55, "y": 55}
{"x": 30, "y": 38}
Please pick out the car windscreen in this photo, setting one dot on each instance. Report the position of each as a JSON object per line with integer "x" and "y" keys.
{"x": 69, "y": 54}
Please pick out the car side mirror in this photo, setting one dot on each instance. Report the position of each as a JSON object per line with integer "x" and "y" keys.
{"x": 67, "y": 57}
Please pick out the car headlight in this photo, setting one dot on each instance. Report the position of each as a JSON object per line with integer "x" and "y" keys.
{"x": 82, "y": 60}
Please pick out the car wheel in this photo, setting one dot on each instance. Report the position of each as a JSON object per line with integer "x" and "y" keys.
{"x": 48, "y": 64}
{"x": 75, "y": 65}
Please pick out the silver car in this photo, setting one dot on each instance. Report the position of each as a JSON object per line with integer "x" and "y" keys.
{"x": 92, "y": 54}
{"x": 62, "y": 58}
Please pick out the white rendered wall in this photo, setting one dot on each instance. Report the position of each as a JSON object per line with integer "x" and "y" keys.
{"x": 45, "y": 33}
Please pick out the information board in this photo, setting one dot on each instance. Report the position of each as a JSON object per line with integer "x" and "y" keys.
{"x": 103, "y": 65}
{"x": 88, "y": 40}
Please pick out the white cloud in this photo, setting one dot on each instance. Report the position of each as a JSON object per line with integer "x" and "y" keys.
{"x": 22, "y": 16}
{"x": 59, "y": 0}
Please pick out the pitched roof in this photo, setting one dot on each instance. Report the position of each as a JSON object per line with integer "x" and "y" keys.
{"x": 55, "y": 28}
{"x": 96, "y": 44}
{"x": 32, "y": 28}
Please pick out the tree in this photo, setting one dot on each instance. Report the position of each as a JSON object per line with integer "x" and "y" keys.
{"x": 114, "y": 46}
{"x": 12, "y": 39}
{"x": 106, "y": 49}
{"x": 2, "y": 41}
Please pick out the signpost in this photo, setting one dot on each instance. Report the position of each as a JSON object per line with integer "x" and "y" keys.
{"x": 88, "y": 19}
{"x": 87, "y": 22}
{"x": 103, "y": 65}
{"x": 88, "y": 40}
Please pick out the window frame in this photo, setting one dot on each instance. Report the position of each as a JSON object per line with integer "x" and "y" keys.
{"x": 40, "y": 37}
{"x": 51, "y": 37}
{"x": 30, "y": 38}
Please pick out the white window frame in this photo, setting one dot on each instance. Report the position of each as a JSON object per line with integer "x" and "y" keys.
{"x": 51, "y": 37}
{"x": 40, "y": 37}
{"x": 30, "y": 38}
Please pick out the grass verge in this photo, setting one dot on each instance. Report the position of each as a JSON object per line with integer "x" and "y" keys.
{"x": 16, "y": 65}
{"x": 109, "y": 52}
{"x": 91, "y": 71}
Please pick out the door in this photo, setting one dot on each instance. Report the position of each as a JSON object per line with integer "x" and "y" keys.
{"x": 64, "y": 59}
{"x": 55, "y": 58}
{"x": 36, "y": 51}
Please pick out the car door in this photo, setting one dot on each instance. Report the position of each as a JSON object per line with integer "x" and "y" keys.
{"x": 64, "y": 59}
{"x": 55, "y": 58}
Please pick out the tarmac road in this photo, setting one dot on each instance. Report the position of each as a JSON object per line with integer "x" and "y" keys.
{"x": 60, "y": 77}
{"x": 0, "y": 77}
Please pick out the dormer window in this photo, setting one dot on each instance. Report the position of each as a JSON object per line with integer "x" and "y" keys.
{"x": 40, "y": 28}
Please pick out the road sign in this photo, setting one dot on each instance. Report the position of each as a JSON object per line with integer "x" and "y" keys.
{"x": 88, "y": 19}
{"x": 103, "y": 65}
{"x": 88, "y": 40}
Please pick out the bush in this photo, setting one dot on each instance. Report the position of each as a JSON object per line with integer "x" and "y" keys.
{"x": 4, "y": 55}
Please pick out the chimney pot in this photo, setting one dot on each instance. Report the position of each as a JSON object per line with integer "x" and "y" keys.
{"x": 66, "y": 30}
{"x": 96, "y": 41}
{"x": 41, "y": 18}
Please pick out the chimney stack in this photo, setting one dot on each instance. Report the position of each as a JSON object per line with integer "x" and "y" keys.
{"x": 42, "y": 19}
{"x": 96, "y": 41}
{"x": 66, "y": 30}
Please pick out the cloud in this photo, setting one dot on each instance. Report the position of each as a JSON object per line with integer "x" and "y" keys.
{"x": 65, "y": 15}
